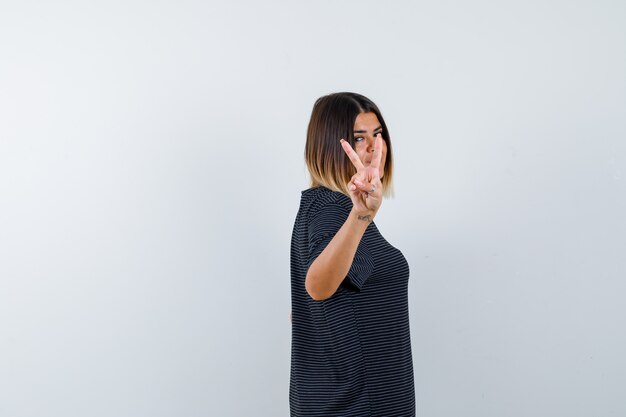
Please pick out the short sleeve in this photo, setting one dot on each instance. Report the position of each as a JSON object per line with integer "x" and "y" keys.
{"x": 324, "y": 223}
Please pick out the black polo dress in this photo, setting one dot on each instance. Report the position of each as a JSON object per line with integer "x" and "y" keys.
{"x": 351, "y": 353}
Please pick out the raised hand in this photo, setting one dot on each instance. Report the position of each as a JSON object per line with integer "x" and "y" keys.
{"x": 365, "y": 187}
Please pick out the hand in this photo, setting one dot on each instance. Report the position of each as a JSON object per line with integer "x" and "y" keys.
{"x": 364, "y": 200}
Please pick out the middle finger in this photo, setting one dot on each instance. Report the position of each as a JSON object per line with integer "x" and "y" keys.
{"x": 354, "y": 157}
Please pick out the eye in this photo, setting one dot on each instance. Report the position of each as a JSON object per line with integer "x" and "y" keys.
{"x": 360, "y": 138}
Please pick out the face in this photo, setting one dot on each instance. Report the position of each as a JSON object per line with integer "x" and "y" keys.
{"x": 366, "y": 128}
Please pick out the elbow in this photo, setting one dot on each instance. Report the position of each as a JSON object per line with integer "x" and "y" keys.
{"x": 314, "y": 291}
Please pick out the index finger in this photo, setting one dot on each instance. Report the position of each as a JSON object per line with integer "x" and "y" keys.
{"x": 356, "y": 161}
{"x": 378, "y": 152}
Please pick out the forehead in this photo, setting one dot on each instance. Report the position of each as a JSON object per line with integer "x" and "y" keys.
{"x": 366, "y": 121}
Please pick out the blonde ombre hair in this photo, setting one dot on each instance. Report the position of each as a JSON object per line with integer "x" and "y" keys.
{"x": 333, "y": 118}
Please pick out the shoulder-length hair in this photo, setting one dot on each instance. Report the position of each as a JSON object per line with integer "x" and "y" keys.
{"x": 333, "y": 118}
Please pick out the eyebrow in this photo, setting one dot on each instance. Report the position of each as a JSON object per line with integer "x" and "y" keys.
{"x": 365, "y": 131}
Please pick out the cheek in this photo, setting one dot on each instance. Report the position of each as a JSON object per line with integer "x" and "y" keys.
{"x": 362, "y": 153}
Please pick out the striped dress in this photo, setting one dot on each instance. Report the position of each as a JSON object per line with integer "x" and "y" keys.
{"x": 351, "y": 353}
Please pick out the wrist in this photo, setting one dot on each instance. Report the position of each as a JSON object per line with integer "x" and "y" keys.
{"x": 364, "y": 217}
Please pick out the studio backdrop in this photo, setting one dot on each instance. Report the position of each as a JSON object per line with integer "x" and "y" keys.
{"x": 151, "y": 165}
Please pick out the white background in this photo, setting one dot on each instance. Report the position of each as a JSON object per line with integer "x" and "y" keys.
{"x": 151, "y": 163}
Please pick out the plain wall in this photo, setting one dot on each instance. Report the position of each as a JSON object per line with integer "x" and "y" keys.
{"x": 151, "y": 163}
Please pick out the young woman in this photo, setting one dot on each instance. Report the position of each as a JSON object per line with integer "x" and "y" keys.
{"x": 351, "y": 347}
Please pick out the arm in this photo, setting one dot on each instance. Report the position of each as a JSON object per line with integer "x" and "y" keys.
{"x": 332, "y": 265}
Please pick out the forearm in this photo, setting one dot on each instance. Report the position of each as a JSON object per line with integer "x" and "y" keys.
{"x": 332, "y": 265}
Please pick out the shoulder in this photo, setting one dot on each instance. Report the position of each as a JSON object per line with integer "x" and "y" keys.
{"x": 318, "y": 197}
{"x": 319, "y": 200}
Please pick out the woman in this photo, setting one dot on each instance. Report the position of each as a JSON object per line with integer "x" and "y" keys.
{"x": 351, "y": 348}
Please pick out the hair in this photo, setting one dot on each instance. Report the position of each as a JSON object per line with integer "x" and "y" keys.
{"x": 333, "y": 118}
